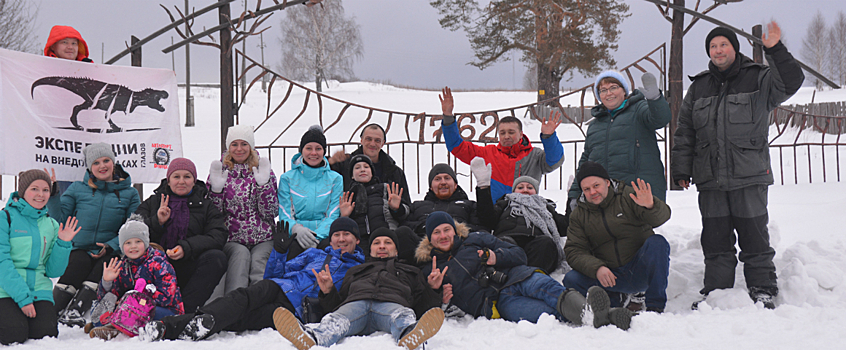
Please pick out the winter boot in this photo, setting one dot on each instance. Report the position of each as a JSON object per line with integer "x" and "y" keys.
{"x": 107, "y": 332}
{"x": 103, "y": 306}
{"x": 763, "y": 295}
{"x": 695, "y": 305}
{"x": 152, "y": 331}
{"x": 290, "y": 327}
{"x": 74, "y": 313}
{"x": 635, "y": 301}
{"x": 571, "y": 304}
{"x": 620, "y": 317}
{"x": 592, "y": 310}
{"x": 62, "y": 295}
{"x": 198, "y": 328}
{"x": 425, "y": 328}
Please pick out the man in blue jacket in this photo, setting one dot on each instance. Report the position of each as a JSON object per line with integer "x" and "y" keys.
{"x": 285, "y": 284}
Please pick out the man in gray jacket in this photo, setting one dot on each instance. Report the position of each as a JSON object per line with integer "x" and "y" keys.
{"x": 721, "y": 143}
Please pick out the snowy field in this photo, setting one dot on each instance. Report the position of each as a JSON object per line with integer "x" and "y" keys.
{"x": 806, "y": 228}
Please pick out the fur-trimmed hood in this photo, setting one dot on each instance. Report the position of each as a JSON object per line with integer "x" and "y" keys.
{"x": 424, "y": 249}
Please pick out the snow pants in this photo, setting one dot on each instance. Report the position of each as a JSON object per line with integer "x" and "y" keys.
{"x": 197, "y": 278}
{"x": 246, "y": 266}
{"x": 15, "y": 327}
{"x": 743, "y": 211}
{"x": 81, "y": 267}
{"x": 363, "y": 317}
{"x": 243, "y": 309}
{"x": 541, "y": 251}
{"x": 647, "y": 271}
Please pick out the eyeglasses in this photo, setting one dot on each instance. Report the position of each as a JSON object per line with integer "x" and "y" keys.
{"x": 612, "y": 89}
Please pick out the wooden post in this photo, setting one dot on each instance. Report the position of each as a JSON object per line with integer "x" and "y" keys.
{"x": 675, "y": 73}
{"x": 226, "y": 82}
{"x": 135, "y": 60}
{"x": 757, "y": 49}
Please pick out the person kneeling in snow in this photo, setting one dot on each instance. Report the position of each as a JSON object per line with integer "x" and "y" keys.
{"x": 140, "y": 262}
{"x": 610, "y": 241}
{"x": 382, "y": 294}
{"x": 286, "y": 283}
{"x": 489, "y": 277}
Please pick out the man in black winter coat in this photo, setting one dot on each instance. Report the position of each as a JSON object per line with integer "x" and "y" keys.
{"x": 382, "y": 294}
{"x": 444, "y": 195}
{"x": 721, "y": 145}
{"x": 384, "y": 167}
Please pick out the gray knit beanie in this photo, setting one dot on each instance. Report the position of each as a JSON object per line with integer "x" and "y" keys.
{"x": 534, "y": 182}
{"x": 95, "y": 151}
{"x": 134, "y": 228}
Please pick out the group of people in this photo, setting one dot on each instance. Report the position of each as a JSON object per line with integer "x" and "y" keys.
{"x": 351, "y": 253}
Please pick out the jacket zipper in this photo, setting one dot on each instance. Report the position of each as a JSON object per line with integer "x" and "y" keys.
{"x": 637, "y": 155}
{"x": 608, "y": 139}
{"x": 607, "y": 228}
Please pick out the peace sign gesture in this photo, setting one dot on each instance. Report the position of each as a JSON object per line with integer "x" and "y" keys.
{"x": 643, "y": 194}
{"x": 164, "y": 210}
{"x": 549, "y": 125}
{"x": 436, "y": 278}
{"x": 394, "y": 195}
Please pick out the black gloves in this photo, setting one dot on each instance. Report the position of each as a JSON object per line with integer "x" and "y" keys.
{"x": 282, "y": 238}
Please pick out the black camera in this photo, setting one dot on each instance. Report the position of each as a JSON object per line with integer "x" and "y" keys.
{"x": 490, "y": 274}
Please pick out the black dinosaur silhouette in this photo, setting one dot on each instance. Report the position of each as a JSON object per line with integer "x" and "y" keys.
{"x": 104, "y": 96}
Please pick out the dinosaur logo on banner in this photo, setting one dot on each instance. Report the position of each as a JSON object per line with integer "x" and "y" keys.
{"x": 98, "y": 95}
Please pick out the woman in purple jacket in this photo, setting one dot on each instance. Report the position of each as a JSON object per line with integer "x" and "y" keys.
{"x": 244, "y": 188}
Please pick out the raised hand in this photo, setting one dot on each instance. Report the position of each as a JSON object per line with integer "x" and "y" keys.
{"x": 324, "y": 279}
{"x": 282, "y": 238}
{"x": 52, "y": 173}
{"x": 164, "y": 211}
{"x": 773, "y": 35}
{"x": 643, "y": 194}
{"x": 112, "y": 269}
{"x": 481, "y": 171}
{"x": 338, "y": 157}
{"x": 650, "y": 86}
{"x": 347, "y": 204}
{"x": 69, "y": 230}
{"x": 217, "y": 176}
{"x": 549, "y": 125}
{"x": 394, "y": 195}
{"x": 447, "y": 103}
{"x": 436, "y": 277}
{"x": 262, "y": 172}
{"x": 447, "y": 294}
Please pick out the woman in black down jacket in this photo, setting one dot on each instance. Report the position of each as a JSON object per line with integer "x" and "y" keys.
{"x": 189, "y": 226}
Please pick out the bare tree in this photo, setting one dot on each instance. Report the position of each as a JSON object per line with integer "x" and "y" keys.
{"x": 17, "y": 20}
{"x": 815, "y": 46}
{"x": 320, "y": 42}
{"x": 837, "y": 51}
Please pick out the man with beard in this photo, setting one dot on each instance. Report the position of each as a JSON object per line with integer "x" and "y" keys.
{"x": 444, "y": 195}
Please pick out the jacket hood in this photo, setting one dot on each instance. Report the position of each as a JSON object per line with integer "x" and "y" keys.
{"x": 424, "y": 249}
{"x": 458, "y": 195}
{"x": 151, "y": 252}
{"x": 357, "y": 255}
{"x": 62, "y": 32}
{"x": 515, "y": 149}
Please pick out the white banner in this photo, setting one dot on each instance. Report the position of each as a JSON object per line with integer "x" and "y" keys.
{"x": 50, "y": 109}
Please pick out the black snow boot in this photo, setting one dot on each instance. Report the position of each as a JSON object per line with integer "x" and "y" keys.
{"x": 62, "y": 295}
{"x": 74, "y": 313}
{"x": 198, "y": 328}
{"x": 763, "y": 295}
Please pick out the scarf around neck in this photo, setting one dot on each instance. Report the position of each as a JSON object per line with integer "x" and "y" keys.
{"x": 533, "y": 208}
{"x": 179, "y": 216}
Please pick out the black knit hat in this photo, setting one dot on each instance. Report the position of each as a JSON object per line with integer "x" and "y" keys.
{"x": 313, "y": 134}
{"x": 358, "y": 158}
{"x": 591, "y": 169}
{"x": 383, "y": 232}
{"x": 344, "y": 223}
{"x": 436, "y": 219}
{"x": 441, "y": 168}
{"x": 722, "y": 31}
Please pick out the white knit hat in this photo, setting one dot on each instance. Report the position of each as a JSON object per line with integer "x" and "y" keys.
{"x": 241, "y": 132}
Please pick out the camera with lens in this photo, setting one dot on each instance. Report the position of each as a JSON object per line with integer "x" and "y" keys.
{"x": 490, "y": 274}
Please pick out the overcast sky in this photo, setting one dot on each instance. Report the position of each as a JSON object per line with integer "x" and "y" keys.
{"x": 403, "y": 42}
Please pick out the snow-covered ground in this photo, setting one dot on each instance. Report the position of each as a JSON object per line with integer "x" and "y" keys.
{"x": 806, "y": 228}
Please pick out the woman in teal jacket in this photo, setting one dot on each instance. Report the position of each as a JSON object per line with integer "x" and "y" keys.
{"x": 33, "y": 249}
{"x": 310, "y": 193}
{"x": 621, "y": 136}
{"x": 101, "y": 201}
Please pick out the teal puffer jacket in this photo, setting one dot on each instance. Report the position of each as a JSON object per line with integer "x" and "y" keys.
{"x": 625, "y": 143}
{"x": 101, "y": 208}
{"x": 310, "y": 196}
{"x": 30, "y": 253}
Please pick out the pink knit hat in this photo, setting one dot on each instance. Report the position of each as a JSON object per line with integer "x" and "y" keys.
{"x": 182, "y": 164}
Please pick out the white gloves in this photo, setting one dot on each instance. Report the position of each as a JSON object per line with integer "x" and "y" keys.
{"x": 262, "y": 173}
{"x": 217, "y": 176}
{"x": 481, "y": 171}
{"x": 305, "y": 237}
{"x": 650, "y": 87}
